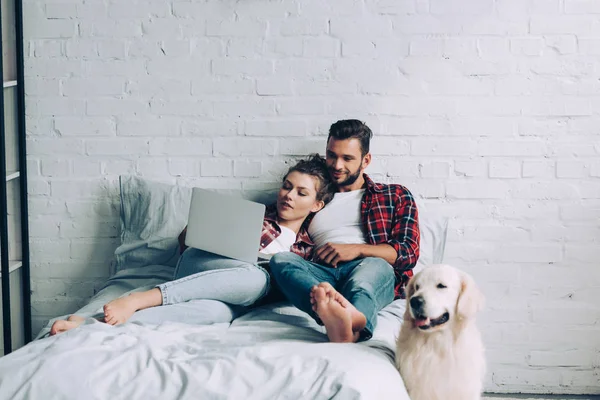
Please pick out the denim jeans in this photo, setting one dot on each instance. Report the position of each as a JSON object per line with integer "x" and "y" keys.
{"x": 368, "y": 283}
{"x": 203, "y": 275}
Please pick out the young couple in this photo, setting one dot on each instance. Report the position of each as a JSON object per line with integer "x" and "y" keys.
{"x": 341, "y": 263}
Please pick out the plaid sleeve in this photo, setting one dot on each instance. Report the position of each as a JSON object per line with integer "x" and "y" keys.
{"x": 405, "y": 235}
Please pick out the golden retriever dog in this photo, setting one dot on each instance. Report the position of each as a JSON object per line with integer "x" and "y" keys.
{"x": 439, "y": 351}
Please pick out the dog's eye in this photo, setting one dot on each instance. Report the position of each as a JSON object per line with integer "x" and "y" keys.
{"x": 441, "y": 286}
{"x": 416, "y": 288}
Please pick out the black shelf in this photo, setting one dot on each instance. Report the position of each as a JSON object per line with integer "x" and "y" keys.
{"x": 12, "y": 176}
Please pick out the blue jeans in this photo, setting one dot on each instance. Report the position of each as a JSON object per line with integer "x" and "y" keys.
{"x": 203, "y": 275}
{"x": 368, "y": 283}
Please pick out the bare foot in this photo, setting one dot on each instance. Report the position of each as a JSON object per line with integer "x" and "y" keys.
{"x": 358, "y": 319}
{"x": 65, "y": 325}
{"x": 120, "y": 310}
{"x": 338, "y": 320}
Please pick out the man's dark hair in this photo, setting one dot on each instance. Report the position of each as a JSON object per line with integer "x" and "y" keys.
{"x": 315, "y": 166}
{"x": 352, "y": 129}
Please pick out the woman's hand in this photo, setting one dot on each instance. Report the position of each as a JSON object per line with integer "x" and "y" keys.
{"x": 181, "y": 239}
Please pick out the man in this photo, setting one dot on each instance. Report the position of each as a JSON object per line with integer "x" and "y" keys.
{"x": 367, "y": 242}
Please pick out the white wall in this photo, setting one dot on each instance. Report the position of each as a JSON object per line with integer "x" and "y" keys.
{"x": 486, "y": 109}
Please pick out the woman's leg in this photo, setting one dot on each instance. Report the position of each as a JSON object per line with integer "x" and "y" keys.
{"x": 202, "y": 275}
{"x": 198, "y": 275}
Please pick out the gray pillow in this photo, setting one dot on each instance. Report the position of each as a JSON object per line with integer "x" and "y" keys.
{"x": 152, "y": 216}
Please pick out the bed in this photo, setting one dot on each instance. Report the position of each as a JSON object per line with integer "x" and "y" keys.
{"x": 185, "y": 351}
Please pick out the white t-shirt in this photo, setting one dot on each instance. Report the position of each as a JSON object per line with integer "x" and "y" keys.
{"x": 340, "y": 221}
{"x": 283, "y": 242}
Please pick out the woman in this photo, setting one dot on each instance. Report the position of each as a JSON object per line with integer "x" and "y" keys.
{"x": 305, "y": 190}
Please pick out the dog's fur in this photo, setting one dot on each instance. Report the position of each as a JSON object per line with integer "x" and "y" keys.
{"x": 443, "y": 362}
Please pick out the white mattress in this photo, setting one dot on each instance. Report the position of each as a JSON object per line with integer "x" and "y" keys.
{"x": 272, "y": 352}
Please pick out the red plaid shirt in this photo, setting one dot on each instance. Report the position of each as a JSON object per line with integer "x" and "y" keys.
{"x": 390, "y": 215}
{"x": 303, "y": 246}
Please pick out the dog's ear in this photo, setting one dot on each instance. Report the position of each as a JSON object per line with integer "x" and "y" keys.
{"x": 408, "y": 292}
{"x": 470, "y": 299}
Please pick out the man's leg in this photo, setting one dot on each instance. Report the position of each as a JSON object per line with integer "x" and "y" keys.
{"x": 296, "y": 277}
{"x": 369, "y": 286}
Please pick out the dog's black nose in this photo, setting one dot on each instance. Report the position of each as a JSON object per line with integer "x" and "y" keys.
{"x": 417, "y": 302}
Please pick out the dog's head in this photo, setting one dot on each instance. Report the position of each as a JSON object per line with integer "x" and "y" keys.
{"x": 440, "y": 294}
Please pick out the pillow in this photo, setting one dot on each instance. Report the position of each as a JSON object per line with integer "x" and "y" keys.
{"x": 153, "y": 215}
{"x": 433, "y": 240}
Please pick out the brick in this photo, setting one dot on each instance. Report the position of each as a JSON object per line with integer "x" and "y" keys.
{"x": 148, "y": 127}
{"x": 210, "y": 128}
{"x": 54, "y": 146}
{"x": 505, "y": 169}
{"x": 53, "y": 167}
{"x": 83, "y": 167}
{"x": 181, "y": 146}
{"x": 247, "y": 168}
{"x": 183, "y": 167}
{"x": 233, "y": 147}
{"x": 443, "y": 147}
{"x": 216, "y": 167}
{"x": 571, "y": 169}
{"x": 125, "y": 147}
{"x": 435, "y": 169}
{"x": 116, "y": 107}
{"x": 584, "y": 7}
{"x": 301, "y": 106}
{"x": 477, "y": 190}
{"x": 138, "y": 11}
{"x": 274, "y": 87}
{"x": 182, "y": 107}
{"x": 313, "y": 26}
{"x": 300, "y": 147}
{"x": 563, "y": 25}
{"x": 224, "y": 87}
{"x": 398, "y": 167}
{"x": 538, "y": 169}
{"x": 275, "y": 128}
{"x": 562, "y": 44}
{"x": 98, "y": 86}
{"x": 527, "y": 46}
{"x": 153, "y": 167}
{"x": 473, "y": 169}
{"x": 84, "y": 126}
{"x": 589, "y": 46}
{"x": 321, "y": 47}
{"x": 383, "y": 145}
{"x": 348, "y": 28}
{"x": 48, "y": 48}
{"x": 526, "y": 148}
{"x": 244, "y": 108}
{"x": 240, "y": 28}
{"x": 286, "y": 47}
{"x": 471, "y": 7}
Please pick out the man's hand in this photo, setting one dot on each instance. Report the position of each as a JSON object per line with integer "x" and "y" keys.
{"x": 334, "y": 253}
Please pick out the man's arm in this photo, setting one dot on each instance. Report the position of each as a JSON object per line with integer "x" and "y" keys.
{"x": 405, "y": 236}
{"x": 334, "y": 253}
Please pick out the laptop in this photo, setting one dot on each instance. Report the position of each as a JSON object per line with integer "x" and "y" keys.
{"x": 225, "y": 225}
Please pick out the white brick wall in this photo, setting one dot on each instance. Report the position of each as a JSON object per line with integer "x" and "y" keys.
{"x": 486, "y": 109}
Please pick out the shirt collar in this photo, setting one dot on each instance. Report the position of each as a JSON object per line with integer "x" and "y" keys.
{"x": 302, "y": 236}
{"x": 372, "y": 186}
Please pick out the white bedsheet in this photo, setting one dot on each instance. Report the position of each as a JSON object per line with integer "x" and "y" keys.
{"x": 273, "y": 352}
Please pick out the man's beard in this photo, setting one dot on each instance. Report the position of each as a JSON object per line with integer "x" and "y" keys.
{"x": 351, "y": 178}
